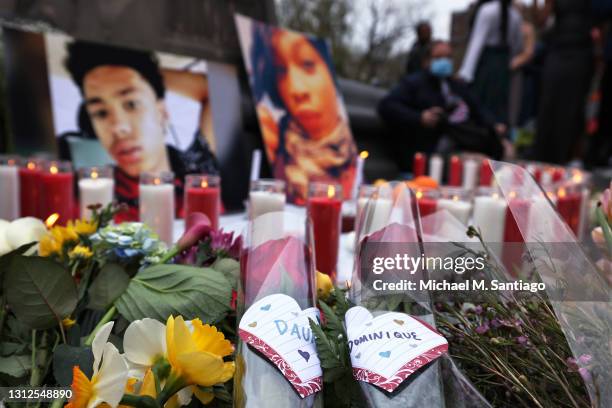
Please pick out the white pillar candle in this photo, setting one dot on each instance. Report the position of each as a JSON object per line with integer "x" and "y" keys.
{"x": 490, "y": 217}
{"x": 157, "y": 209}
{"x": 459, "y": 209}
{"x": 436, "y": 167}
{"x": 470, "y": 173}
{"x": 263, "y": 202}
{"x": 255, "y": 164}
{"x": 9, "y": 186}
{"x": 359, "y": 173}
{"x": 95, "y": 191}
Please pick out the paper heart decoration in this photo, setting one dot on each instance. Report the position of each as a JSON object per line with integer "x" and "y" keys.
{"x": 386, "y": 349}
{"x": 278, "y": 328}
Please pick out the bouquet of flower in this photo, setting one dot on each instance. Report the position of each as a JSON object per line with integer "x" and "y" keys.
{"x": 70, "y": 295}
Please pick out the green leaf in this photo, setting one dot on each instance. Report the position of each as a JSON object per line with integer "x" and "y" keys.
{"x": 65, "y": 357}
{"x": 16, "y": 366}
{"x": 326, "y": 348}
{"x": 230, "y": 268}
{"x": 108, "y": 286}
{"x": 5, "y": 260}
{"x": 41, "y": 292}
{"x": 163, "y": 290}
{"x": 333, "y": 323}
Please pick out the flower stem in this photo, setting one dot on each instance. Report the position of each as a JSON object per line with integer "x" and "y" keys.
{"x": 139, "y": 401}
{"x": 605, "y": 227}
{"x": 174, "y": 385}
{"x": 172, "y": 252}
{"x": 108, "y": 316}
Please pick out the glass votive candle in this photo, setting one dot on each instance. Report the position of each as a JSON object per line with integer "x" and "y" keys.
{"x": 203, "y": 194}
{"x": 373, "y": 210}
{"x": 489, "y": 214}
{"x": 96, "y": 187}
{"x": 57, "y": 191}
{"x": 9, "y": 185}
{"x": 265, "y": 196}
{"x": 30, "y": 174}
{"x": 156, "y": 196}
{"x": 456, "y": 201}
{"x": 324, "y": 207}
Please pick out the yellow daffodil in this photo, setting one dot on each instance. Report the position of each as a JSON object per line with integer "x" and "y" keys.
{"x": 110, "y": 375}
{"x": 82, "y": 227}
{"x": 324, "y": 285}
{"x": 80, "y": 252}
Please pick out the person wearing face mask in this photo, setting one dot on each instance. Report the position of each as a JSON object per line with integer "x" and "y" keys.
{"x": 430, "y": 111}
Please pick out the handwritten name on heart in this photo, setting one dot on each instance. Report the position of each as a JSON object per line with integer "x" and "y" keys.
{"x": 279, "y": 329}
{"x": 387, "y": 349}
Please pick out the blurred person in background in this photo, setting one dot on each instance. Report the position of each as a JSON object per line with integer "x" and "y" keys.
{"x": 432, "y": 112}
{"x": 566, "y": 78}
{"x": 600, "y": 148}
{"x": 420, "y": 49}
{"x": 495, "y": 39}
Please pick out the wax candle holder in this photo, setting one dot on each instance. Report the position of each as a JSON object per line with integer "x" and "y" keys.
{"x": 156, "y": 191}
{"x": 373, "y": 210}
{"x": 265, "y": 196}
{"x": 569, "y": 201}
{"x": 30, "y": 174}
{"x": 203, "y": 194}
{"x": 9, "y": 183}
{"x": 57, "y": 191}
{"x": 96, "y": 188}
{"x": 324, "y": 206}
{"x": 489, "y": 215}
{"x": 456, "y": 201}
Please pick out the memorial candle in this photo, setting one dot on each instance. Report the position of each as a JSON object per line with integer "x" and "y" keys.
{"x": 427, "y": 203}
{"x": 568, "y": 205}
{"x": 9, "y": 185}
{"x": 489, "y": 215}
{"x": 29, "y": 180}
{"x": 436, "y": 167}
{"x": 203, "y": 194}
{"x": 470, "y": 173}
{"x": 96, "y": 187}
{"x": 455, "y": 170}
{"x": 418, "y": 164}
{"x": 57, "y": 191}
{"x": 486, "y": 173}
{"x": 372, "y": 210}
{"x": 156, "y": 196}
{"x": 324, "y": 206}
{"x": 266, "y": 195}
{"x": 455, "y": 201}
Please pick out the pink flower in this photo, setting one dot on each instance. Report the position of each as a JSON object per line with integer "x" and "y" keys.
{"x": 197, "y": 225}
{"x": 585, "y": 374}
{"x": 483, "y": 328}
{"x": 606, "y": 203}
{"x": 585, "y": 359}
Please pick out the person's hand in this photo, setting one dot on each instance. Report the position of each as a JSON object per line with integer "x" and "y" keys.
{"x": 431, "y": 117}
{"x": 269, "y": 130}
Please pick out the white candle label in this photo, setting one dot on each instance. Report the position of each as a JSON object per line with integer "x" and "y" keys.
{"x": 278, "y": 328}
{"x": 387, "y": 349}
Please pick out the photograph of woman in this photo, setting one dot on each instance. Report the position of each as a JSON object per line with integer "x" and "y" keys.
{"x": 301, "y": 114}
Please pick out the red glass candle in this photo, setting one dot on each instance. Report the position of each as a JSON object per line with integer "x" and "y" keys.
{"x": 486, "y": 173}
{"x": 203, "y": 194}
{"x": 29, "y": 180}
{"x": 558, "y": 174}
{"x": 57, "y": 191}
{"x": 455, "y": 170}
{"x": 324, "y": 206}
{"x": 518, "y": 210}
{"x": 568, "y": 206}
{"x": 427, "y": 201}
{"x": 418, "y": 164}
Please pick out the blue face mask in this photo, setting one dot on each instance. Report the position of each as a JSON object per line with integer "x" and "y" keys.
{"x": 441, "y": 67}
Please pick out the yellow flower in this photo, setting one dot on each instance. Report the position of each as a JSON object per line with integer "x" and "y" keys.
{"x": 196, "y": 355}
{"x": 110, "y": 375}
{"x": 324, "y": 285}
{"x": 49, "y": 245}
{"x": 83, "y": 227}
{"x": 68, "y": 323}
{"x": 80, "y": 252}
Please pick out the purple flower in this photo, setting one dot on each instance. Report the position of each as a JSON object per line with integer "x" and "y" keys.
{"x": 197, "y": 225}
{"x": 225, "y": 241}
{"x": 483, "y": 328}
{"x": 496, "y": 323}
{"x": 478, "y": 309}
{"x": 522, "y": 340}
{"x": 572, "y": 363}
{"x": 585, "y": 374}
{"x": 585, "y": 359}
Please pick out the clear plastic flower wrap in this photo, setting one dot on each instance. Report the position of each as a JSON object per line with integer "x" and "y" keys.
{"x": 578, "y": 295}
{"x": 276, "y": 257}
{"x": 390, "y": 216}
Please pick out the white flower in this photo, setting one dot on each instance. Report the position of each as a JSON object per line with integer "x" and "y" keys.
{"x": 110, "y": 375}
{"x": 22, "y": 231}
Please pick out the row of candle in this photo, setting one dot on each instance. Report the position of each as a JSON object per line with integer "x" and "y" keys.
{"x": 468, "y": 173}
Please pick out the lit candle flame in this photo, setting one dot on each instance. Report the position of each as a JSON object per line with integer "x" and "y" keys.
{"x": 512, "y": 194}
{"x": 31, "y": 165}
{"x": 156, "y": 181}
{"x": 53, "y": 169}
{"x": 51, "y": 220}
{"x": 419, "y": 194}
{"x": 561, "y": 193}
{"x": 455, "y": 198}
{"x": 331, "y": 191}
{"x": 495, "y": 196}
{"x": 577, "y": 178}
{"x": 204, "y": 183}
{"x": 94, "y": 174}
{"x": 364, "y": 154}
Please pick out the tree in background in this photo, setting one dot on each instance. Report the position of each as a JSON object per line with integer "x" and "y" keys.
{"x": 369, "y": 38}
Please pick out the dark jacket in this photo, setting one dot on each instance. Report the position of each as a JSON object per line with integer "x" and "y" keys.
{"x": 415, "y": 93}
